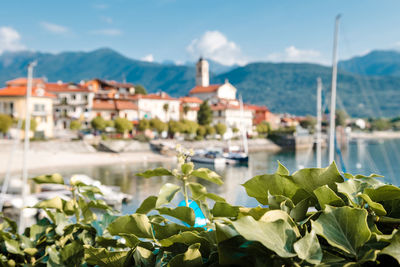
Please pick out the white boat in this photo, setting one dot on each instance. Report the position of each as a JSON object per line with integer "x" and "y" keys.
{"x": 209, "y": 156}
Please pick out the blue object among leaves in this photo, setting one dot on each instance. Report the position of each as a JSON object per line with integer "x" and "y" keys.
{"x": 200, "y": 220}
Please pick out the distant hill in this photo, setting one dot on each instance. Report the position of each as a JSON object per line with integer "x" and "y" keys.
{"x": 283, "y": 87}
{"x": 378, "y": 63}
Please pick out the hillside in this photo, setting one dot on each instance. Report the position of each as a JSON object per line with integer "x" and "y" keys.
{"x": 378, "y": 63}
{"x": 283, "y": 87}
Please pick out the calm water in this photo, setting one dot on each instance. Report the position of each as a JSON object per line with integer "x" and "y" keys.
{"x": 363, "y": 157}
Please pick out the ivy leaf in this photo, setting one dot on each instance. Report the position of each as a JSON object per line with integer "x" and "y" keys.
{"x": 187, "y": 168}
{"x": 345, "y": 228}
{"x": 147, "y": 205}
{"x": 199, "y": 192}
{"x": 155, "y": 172}
{"x": 282, "y": 170}
{"x": 223, "y": 209}
{"x": 308, "y": 248}
{"x": 53, "y": 203}
{"x": 137, "y": 224}
{"x": 208, "y": 175}
{"x": 327, "y": 196}
{"x": 192, "y": 257}
{"x": 12, "y": 246}
{"x": 351, "y": 188}
{"x": 382, "y": 193}
{"x": 103, "y": 257}
{"x": 187, "y": 238}
{"x": 312, "y": 178}
{"x": 167, "y": 193}
{"x": 55, "y": 178}
{"x": 224, "y": 232}
{"x": 182, "y": 213}
{"x": 72, "y": 253}
{"x": 277, "y": 236}
{"x": 394, "y": 248}
{"x": 376, "y": 207}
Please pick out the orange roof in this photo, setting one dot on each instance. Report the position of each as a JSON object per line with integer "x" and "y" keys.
{"x": 23, "y": 81}
{"x": 65, "y": 87}
{"x": 103, "y": 104}
{"x": 21, "y": 91}
{"x": 189, "y": 99}
{"x": 255, "y": 107}
{"x": 205, "y": 89}
{"x": 121, "y": 104}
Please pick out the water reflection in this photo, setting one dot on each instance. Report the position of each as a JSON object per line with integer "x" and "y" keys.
{"x": 360, "y": 157}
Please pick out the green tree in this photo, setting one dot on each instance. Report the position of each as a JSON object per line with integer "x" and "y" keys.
{"x": 75, "y": 125}
{"x": 157, "y": 125}
{"x": 309, "y": 122}
{"x": 110, "y": 123}
{"x": 189, "y": 127}
{"x": 139, "y": 89}
{"x": 174, "y": 127}
{"x": 204, "y": 115}
{"x": 166, "y": 109}
{"x": 235, "y": 129}
{"x": 341, "y": 117}
{"x": 263, "y": 128}
{"x": 143, "y": 125}
{"x": 380, "y": 124}
{"x": 5, "y": 123}
{"x": 123, "y": 125}
{"x": 186, "y": 109}
{"x": 201, "y": 131}
{"x": 210, "y": 130}
{"x": 220, "y": 128}
{"x": 98, "y": 123}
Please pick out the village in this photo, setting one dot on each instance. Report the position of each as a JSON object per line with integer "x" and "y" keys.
{"x": 109, "y": 106}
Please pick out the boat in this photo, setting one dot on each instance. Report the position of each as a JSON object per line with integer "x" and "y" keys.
{"x": 209, "y": 156}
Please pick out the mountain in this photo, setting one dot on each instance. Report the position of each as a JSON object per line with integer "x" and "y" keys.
{"x": 377, "y": 63}
{"x": 283, "y": 87}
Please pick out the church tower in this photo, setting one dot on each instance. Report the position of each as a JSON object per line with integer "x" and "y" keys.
{"x": 202, "y": 75}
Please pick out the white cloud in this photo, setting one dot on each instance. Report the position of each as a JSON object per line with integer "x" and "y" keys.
{"x": 214, "y": 45}
{"x": 148, "y": 58}
{"x": 54, "y": 28}
{"x": 107, "y": 19}
{"x": 107, "y": 32}
{"x": 293, "y": 54}
{"x": 10, "y": 40}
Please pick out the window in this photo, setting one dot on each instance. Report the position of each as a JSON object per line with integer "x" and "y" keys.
{"x": 73, "y": 97}
{"x": 219, "y": 113}
{"x": 38, "y": 107}
{"x": 86, "y": 97}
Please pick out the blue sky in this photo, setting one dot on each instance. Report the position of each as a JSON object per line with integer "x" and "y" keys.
{"x": 228, "y": 31}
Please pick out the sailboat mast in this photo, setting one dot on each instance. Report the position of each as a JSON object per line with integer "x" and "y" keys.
{"x": 333, "y": 94}
{"x": 319, "y": 119}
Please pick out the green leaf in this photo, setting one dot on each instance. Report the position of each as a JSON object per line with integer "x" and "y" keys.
{"x": 385, "y": 192}
{"x": 299, "y": 212}
{"x": 208, "y": 175}
{"x": 54, "y": 203}
{"x": 308, "y": 248}
{"x": 167, "y": 193}
{"x": 72, "y": 252}
{"x": 256, "y": 212}
{"x": 103, "y": 257}
{"x": 187, "y": 168}
{"x": 376, "y": 207}
{"x": 345, "y": 228}
{"x": 147, "y": 205}
{"x": 143, "y": 257}
{"x": 192, "y": 257}
{"x": 312, "y": 178}
{"x": 168, "y": 230}
{"x": 12, "y": 246}
{"x": 130, "y": 240}
{"x": 137, "y": 224}
{"x": 351, "y": 188}
{"x": 156, "y": 172}
{"x": 224, "y": 232}
{"x": 394, "y": 248}
{"x": 199, "y": 192}
{"x": 277, "y": 236}
{"x": 274, "y": 184}
{"x": 223, "y": 209}
{"x": 55, "y": 178}
{"x": 184, "y": 214}
{"x": 187, "y": 238}
{"x": 326, "y": 196}
{"x": 282, "y": 170}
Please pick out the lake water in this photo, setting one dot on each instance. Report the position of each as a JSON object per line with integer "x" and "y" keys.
{"x": 362, "y": 157}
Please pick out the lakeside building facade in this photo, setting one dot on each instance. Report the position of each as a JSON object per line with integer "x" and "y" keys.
{"x": 159, "y": 105}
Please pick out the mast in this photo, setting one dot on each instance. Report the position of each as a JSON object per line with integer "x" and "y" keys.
{"x": 319, "y": 119}
{"x": 333, "y": 94}
{"x": 26, "y": 143}
{"x": 243, "y": 130}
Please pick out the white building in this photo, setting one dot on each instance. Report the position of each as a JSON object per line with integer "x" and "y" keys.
{"x": 110, "y": 109}
{"x": 189, "y": 107}
{"x": 159, "y": 105}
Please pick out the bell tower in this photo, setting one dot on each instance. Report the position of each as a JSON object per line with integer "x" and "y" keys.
{"x": 202, "y": 74}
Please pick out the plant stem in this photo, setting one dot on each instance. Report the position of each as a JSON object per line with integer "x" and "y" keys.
{"x": 76, "y": 211}
{"x": 383, "y": 219}
{"x": 185, "y": 191}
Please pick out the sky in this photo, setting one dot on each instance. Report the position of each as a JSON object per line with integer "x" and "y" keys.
{"x": 227, "y": 31}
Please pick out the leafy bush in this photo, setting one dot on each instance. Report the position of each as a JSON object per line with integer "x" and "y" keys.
{"x": 210, "y": 130}
{"x": 123, "y": 125}
{"x": 143, "y": 125}
{"x": 189, "y": 127}
{"x": 220, "y": 128}
{"x": 204, "y": 115}
{"x": 157, "y": 125}
{"x": 263, "y": 128}
{"x": 5, "y": 123}
{"x": 314, "y": 216}
{"x": 98, "y": 123}
{"x": 201, "y": 131}
{"x": 75, "y": 125}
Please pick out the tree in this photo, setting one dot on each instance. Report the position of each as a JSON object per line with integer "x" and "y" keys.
{"x": 123, "y": 125}
{"x": 166, "y": 108}
{"x": 380, "y": 124}
{"x": 308, "y": 123}
{"x": 5, "y": 123}
{"x": 210, "y": 130}
{"x": 158, "y": 125}
{"x": 235, "y": 129}
{"x": 174, "y": 127}
{"x": 189, "y": 127}
{"x": 204, "y": 115}
{"x": 201, "y": 131}
{"x": 341, "y": 117}
{"x": 220, "y": 128}
{"x": 139, "y": 89}
{"x": 143, "y": 125}
{"x": 75, "y": 125}
{"x": 263, "y": 128}
{"x": 110, "y": 123}
{"x": 98, "y": 123}
{"x": 186, "y": 109}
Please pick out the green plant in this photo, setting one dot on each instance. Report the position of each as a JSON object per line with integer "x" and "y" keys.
{"x": 123, "y": 125}
{"x": 109, "y": 123}
{"x": 210, "y": 130}
{"x": 201, "y": 131}
{"x": 220, "y": 128}
{"x": 143, "y": 125}
{"x": 139, "y": 89}
{"x": 204, "y": 115}
{"x": 5, "y": 123}
{"x": 158, "y": 125}
{"x": 75, "y": 125}
{"x": 98, "y": 123}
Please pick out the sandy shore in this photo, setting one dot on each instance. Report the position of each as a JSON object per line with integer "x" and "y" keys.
{"x": 45, "y": 158}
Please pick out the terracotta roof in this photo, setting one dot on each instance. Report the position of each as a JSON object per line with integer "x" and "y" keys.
{"x": 103, "y": 104}
{"x": 190, "y": 99}
{"x": 256, "y": 108}
{"x": 205, "y": 89}
{"x": 65, "y": 87}
{"x": 21, "y": 91}
{"x": 123, "y": 104}
{"x": 23, "y": 81}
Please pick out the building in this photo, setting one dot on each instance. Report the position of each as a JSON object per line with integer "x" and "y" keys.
{"x": 110, "y": 109}
{"x": 189, "y": 107}
{"x": 13, "y": 103}
{"x": 110, "y": 88}
{"x": 159, "y": 105}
